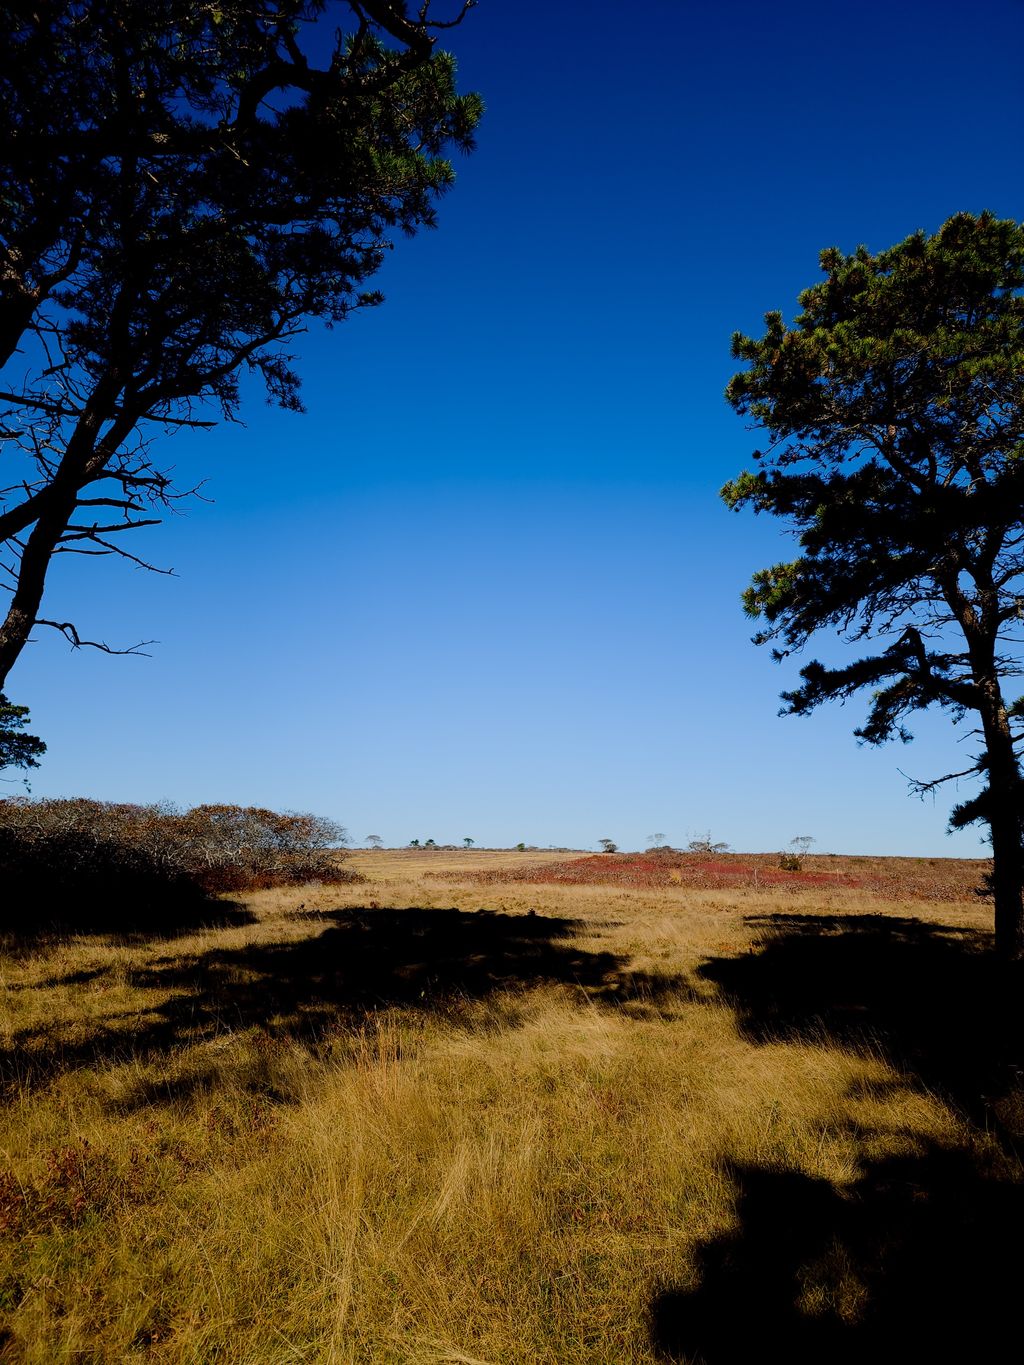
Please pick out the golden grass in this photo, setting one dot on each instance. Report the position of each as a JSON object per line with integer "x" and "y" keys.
{"x": 383, "y": 863}
{"x": 512, "y": 1141}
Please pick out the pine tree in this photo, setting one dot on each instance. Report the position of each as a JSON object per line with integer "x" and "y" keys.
{"x": 183, "y": 187}
{"x": 894, "y": 408}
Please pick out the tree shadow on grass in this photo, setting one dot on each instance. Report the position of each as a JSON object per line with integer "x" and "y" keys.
{"x": 427, "y": 961}
{"x": 368, "y": 959}
{"x": 920, "y": 1260}
{"x": 133, "y": 908}
{"x": 932, "y": 999}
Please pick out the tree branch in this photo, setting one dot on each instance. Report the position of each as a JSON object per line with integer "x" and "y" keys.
{"x": 72, "y": 636}
{"x": 921, "y": 788}
{"x": 111, "y": 549}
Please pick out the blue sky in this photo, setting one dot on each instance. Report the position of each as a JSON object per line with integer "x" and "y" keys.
{"x": 485, "y": 587}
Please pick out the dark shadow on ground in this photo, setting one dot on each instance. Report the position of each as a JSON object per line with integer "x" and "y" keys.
{"x": 366, "y": 960}
{"x": 136, "y": 906}
{"x": 370, "y": 958}
{"x": 921, "y": 1260}
{"x": 932, "y": 999}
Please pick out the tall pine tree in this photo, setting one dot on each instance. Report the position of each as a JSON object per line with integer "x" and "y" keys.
{"x": 894, "y": 411}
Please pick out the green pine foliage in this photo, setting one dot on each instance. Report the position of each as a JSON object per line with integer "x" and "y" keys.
{"x": 17, "y": 749}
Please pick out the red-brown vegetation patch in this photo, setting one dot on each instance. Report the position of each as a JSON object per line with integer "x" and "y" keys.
{"x": 942, "y": 879}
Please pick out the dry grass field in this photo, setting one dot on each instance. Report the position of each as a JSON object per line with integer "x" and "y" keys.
{"x": 471, "y": 1110}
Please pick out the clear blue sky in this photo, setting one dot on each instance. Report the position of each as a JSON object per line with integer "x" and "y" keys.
{"x": 485, "y": 586}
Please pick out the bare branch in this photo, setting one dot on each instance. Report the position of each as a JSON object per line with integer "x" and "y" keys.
{"x": 919, "y": 787}
{"x": 111, "y": 549}
{"x": 75, "y": 532}
{"x": 73, "y": 638}
{"x": 25, "y": 400}
{"x": 126, "y": 503}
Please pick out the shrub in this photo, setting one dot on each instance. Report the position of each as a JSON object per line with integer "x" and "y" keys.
{"x": 156, "y": 857}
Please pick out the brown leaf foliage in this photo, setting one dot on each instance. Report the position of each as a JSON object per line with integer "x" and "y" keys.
{"x": 83, "y": 848}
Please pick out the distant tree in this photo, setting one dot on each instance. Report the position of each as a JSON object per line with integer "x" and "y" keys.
{"x": 375, "y": 841}
{"x": 894, "y": 407}
{"x": 429, "y": 843}
{"x": 469, "y": 842}
{"x": 183, "y": 186}
{"x": 414, "y": 843}
{"x": 705, "y": 844}
{"x": 520, "y": 848}
{"x": 608, "y": 846}
{"x": 656, "y": 840}
{"x": 793, "y": 861}
{"x": 17, "y": 749}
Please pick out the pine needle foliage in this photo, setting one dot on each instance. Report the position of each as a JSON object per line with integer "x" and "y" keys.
{"x": 17, "y": 749}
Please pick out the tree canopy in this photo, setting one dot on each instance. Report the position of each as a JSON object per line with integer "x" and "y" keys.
{"x": 183, "y": 185}
{"x": 894, "y": 411}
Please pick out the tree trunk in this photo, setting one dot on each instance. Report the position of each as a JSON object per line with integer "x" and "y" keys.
{"x": 1006, "y": 793}
{"x": 1007, "y": 889}
{"x": 28, "y": 594}
{"x": 51, "y": 510}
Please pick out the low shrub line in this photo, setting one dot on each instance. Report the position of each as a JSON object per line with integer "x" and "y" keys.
{"x": 82, "y": 850}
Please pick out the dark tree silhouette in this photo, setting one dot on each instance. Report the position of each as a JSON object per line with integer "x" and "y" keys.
{"x": 894, "y": 406}
{"x": 182, "y": 186}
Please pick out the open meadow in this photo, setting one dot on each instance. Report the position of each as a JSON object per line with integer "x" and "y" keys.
{"x": 519, "y": 1107}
